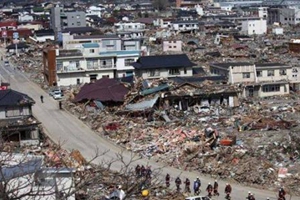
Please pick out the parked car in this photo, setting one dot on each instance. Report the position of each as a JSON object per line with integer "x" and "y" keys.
{"x": 57, "y": 95}
{"x": 6, "y": 63}
{"x": 53, "y": 91}
{"x": 198, "y": 198}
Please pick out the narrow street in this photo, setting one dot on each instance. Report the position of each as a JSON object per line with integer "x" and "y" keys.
{"x": 66, "y": 129}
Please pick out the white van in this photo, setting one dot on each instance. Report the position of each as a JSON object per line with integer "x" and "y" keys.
{"x": 197, "y": 198}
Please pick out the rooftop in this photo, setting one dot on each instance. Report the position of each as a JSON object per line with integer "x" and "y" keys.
{"x": 11, "y": 97}
{"x": 163, "y": 61}
{"x": 230, "y": 64}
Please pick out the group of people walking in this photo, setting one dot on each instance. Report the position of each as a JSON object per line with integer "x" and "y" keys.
{"x": 211, "y": 189}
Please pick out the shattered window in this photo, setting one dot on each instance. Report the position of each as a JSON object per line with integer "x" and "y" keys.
{"x": 174, "y": 72}
{"x": 271, "y": 88}
{"x": 246, "y": 75}
{"x": 271, "y": 73}
{"x": 153, "y": 73}
{"x": 259, "y": 73}
{"x": 282, "y": 72}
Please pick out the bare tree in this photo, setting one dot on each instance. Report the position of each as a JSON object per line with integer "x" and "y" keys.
{"x": 24, "y": 176}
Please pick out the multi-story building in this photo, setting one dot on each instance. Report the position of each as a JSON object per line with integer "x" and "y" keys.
{"x": 183, "y": 26}
{"x": 17, "y": 121}
{"x": 87, "y": 58}
{"x": 254, "y": 27}
{"x": 260, "y": 79}
{"x": 290, "y": 15}
{"x": 59, "y": 19}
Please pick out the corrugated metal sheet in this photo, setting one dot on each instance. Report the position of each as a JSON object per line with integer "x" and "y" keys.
{"x": 142, "y": 105}
{"x": 155, "y": 89}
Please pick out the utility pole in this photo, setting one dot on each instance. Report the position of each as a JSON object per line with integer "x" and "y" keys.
{"x": 16, "y": 37}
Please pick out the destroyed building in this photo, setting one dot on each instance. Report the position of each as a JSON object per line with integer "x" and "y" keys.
{"x": 17, "y": 122}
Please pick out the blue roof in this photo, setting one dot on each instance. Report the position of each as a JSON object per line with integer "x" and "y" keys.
{"x": 90, "y": 45}
{"x": 120, "y": 53}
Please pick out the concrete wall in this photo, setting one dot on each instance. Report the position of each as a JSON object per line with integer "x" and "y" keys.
{"x": 175, "y": 46}
{"x": 290, "y": 16}
{"x": 256, "y": 27}
{"x": 66, "y": 79}
{"x": 277, "y": 76}
{"x": 284, "y": 89}
{"x": 75, "y": 19}
{"x": 237, "y": 74}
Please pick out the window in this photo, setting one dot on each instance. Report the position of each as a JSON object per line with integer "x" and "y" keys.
{"x": 78, "y": 81}
{"x": 246, "y": 75}
{"x": 282, "y": 72}
{"x": 59, "y": 65}
{"x": 271, "y": 88}
{"x": 285, "y": 19}
{"x": 153, "y": 73}
{"x": 295, "y": 70}
{"x": 294, "y": 75}
{"x": 78, "y": 16}
{"x": 174, "y": 72}
{"x": 129, "y": 61}
{"x": 92, "y": 50}
{"x": 93, "y": 77}
{"x": 92, "y": 64}
{"x": 13, "y": 111}
{"x": 270, "y": 72}
{"x": 259, "y": 73}
{"x": 174, "y": 47}
{"x": 105, "y": 76}
{"x": 170, "y": 47}
{"x": 78, "y": 23}
{"x": 185, "y": 71}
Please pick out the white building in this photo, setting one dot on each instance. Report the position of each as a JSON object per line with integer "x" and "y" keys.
{"x": 172, "y": 45}
{"x": 182, "y": 26}
{"x": 277, "y": 31}
{"x": 95, "y": 10}
{"x": 254, "y": 27}
{"x": 129, "y": 26}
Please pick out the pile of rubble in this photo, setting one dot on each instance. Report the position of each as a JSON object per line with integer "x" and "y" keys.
{"x": 250, "y": 144}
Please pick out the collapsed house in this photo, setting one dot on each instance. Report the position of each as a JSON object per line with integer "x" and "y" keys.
{"x": 17, "y": 123}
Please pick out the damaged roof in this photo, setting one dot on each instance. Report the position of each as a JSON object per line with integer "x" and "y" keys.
{"x": 104, "y": 90}
{"x": 230, "y": 64}
{"x": 11, "y": 97}
{"x": 163, "y": 61}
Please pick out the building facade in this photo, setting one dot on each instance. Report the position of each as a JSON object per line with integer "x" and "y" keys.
{"x": 59, "y": 19}
{"x": 254, "y": 27}
{"x": 260, "y": 79}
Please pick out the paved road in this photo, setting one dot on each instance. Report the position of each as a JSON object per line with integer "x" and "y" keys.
{"x": 73, "y": 134}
